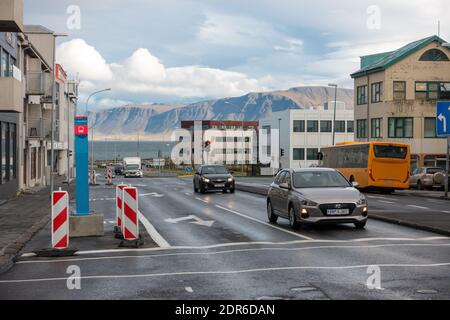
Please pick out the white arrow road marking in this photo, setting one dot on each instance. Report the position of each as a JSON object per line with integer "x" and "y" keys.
{"x": 189, "y": 289}
{"x": 153, "y": 233}
{"x": 198, "y": 221}
{"x": 153, "y": 194}
{"x": 443, "y": 119}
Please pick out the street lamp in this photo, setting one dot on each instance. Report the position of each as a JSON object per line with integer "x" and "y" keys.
{"x": 334, "y": 113}
{"x": 279, "y": 143}
{"x": 52, "y": 148}
{"x": 92, "y": 132}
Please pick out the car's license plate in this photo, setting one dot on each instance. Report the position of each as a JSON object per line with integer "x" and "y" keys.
{"x": 219, "y": 185}
{"x": 337, "y": 212}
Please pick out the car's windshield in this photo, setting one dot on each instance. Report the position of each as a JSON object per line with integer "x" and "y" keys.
{"x": 132, "y": 167}
{"x": 320, "y": 179}
{"x": 214, "y": 170}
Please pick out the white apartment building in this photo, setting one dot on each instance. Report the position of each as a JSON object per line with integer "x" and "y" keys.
{"x": 303, "y": 132}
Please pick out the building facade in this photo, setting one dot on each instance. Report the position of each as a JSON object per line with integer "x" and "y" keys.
{"x": 303, "y": 132}
{"x": 396, "y": 94}
{"x": 234, "y": 142}
{"x": 26, "y": 97}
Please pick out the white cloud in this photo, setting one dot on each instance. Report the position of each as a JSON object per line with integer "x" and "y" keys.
{"x": 143, "y": 74}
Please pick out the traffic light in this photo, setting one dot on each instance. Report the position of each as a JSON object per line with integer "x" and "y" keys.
{"x": 207, "y": 143}
{"x": 282, "y": 152}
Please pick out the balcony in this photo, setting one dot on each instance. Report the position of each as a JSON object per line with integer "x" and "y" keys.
{"x": 11, "y": 98}
{"x": 72, "y": 89}
{"x": 39, "y": 84}
{"x": 35, "y": 128}
{"x": 11, "y": 16}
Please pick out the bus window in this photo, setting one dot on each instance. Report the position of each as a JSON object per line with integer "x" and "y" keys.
{"x": 390, "y": 152}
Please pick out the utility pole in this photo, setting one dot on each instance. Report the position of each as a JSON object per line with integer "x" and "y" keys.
{"x": 334, "y": 113}
{"x": 279, "y": 143}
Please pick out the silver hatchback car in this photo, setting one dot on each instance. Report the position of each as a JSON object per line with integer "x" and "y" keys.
{"x": 315, "y": 196}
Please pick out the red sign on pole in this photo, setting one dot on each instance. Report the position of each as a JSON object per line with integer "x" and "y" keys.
{"x": 81, "y": 129}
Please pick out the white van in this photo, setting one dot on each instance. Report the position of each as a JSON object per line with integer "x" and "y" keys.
{"x": 132, "y": 167}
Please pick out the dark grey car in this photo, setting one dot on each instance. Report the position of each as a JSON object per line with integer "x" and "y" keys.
{"x": 213, "y": 177}
{"x": 315, "y": 196}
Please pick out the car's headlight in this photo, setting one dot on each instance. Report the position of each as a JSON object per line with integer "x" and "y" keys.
{"x": 309, "y": 203}
{"x": 362, "y": 201}
{"x": 206, "y": 179}
{"x": 230, "y": 179}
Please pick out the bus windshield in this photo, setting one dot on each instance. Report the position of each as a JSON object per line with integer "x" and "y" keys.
{"x": 390, "y": 152}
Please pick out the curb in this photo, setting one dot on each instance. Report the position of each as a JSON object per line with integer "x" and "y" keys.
{"x": 423, "y": 196}
{"x": 11, "y": 252}
{"x": 410, "y": 224}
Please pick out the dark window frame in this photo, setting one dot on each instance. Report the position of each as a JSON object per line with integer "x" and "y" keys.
{"x": 376, "y": 128}
{"x": 361, "y": 129}
{"x": 299, "y": 129}
{"x": 376, "y": 92}
{"x": 402, "y": 126}
{"x": 398, "y": 92}
{"x": 361, "y": 95}
{"x": 326, "y": 126}
{"x": 302, "y": 156}
{"x": 315, "y": 128}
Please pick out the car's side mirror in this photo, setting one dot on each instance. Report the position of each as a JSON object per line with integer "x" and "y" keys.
{"x": 284, "y": 185}
{"x": 355, "y": 184}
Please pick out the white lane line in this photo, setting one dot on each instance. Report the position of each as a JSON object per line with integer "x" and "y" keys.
{"x": 227, "y": 272}
{"x": 188, "y": 193}
{"x": 264, "y": 223}
{"x": 189, "y": 289}
{"x": 159, "y": 240}
{"x": 418, "y": 207}
{"x": 385, "y": 201}
{"x": 235, "y": 251}
{"x": 378, "y": 197}
{"x": 446, "y": 211}
{"x": 236, "y": 244}
{"x": 200, "y": 199}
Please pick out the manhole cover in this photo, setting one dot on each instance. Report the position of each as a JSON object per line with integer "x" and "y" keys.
{"x": 427, "y": 291}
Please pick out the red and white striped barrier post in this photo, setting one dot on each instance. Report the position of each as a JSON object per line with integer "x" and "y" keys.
{"x": 60, "y": 219}
{"x": 119, "y": 195}
{"x": 130, "y": 218}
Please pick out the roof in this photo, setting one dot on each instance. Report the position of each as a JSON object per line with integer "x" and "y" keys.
{"x": 382, "y": 61}
{"x": 37, "y": 29}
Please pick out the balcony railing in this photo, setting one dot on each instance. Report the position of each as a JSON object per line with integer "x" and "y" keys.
{"x": 39, "y": 83}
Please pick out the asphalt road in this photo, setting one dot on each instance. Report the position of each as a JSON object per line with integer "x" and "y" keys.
{"x": 220, "y": 246}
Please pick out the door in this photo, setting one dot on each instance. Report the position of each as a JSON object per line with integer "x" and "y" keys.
{"x": 284, "y": 195}
{"x": 276, "y": 193}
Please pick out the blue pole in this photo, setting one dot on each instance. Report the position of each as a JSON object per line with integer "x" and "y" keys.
{"x": 82, "y": 169}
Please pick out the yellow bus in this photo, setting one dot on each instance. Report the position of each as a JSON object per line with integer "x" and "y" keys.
{"x": 373, "y": 165}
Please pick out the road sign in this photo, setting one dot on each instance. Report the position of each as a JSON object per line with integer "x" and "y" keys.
{"x": 188, "y": 169}
{"x": 443, "y": 118}
{"x": 82, "y": 174}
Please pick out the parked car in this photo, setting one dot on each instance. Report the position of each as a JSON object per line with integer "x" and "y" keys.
{"x": 118, "y": 170}
{"x": 315, "y": 196}
{"x": 427, "y": 178}
{"x": 213, "y": 177}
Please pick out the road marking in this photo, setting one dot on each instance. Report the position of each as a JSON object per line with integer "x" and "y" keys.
{"x": 202, "y": 200}
{"x": 379, "y": 197}
{"x": 159, "y": 240}
{"x": 227, "y": 272}
{"x": 256, "y": 243}
{"x": 365, "y": 247}
{"x": 446, "y": 211}
{"x": 198, "y": 220}
{"x": 264, "y": 223}
{"x": 189, "y": 289}
{"x": 418, "y": 207}
{"x": 153, "y": 194}
{"x": 385, "y": 201}
{"x": 188, "y": 193}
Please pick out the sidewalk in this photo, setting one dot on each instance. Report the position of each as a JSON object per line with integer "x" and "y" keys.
{"x": 21, "y": 218}
{"x": 437, "y": 222}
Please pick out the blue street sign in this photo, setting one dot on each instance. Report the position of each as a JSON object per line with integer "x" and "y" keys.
{"x": 443, "y": 118}
{"x": 188, "y": 169}
{"x": 81, "y": 160}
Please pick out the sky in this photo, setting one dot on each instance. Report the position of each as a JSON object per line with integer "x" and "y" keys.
{"x": 181, "y": 51}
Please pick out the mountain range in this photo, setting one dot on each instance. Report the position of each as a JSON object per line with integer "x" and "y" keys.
{"x": 155, "y": 121}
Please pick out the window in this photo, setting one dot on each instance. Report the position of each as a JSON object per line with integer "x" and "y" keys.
{"x": 339, "y": 126}
{"x": 433, "y": 90}
{"x": 434, "y": 55}
{"x": 298, "y": 154}
{"x": 361, "y": 129}
{"x": 430, "y": 128}
{"x": 4, "y": 63}
{"x": 326, "y": 126}
{"x": 312, "y": 126}
{"x": 267, "y": 129}
{"x": 350, "y": 126}
{"x": 311, "y": 153}
{"x": 361, "y": 94}
{"x": 299, "y": 125}
{"x": 401, "y": 127}
{"x": 375, "y": 128}
{"x": 377, "y": 92}
{"x": 399, "y": 90}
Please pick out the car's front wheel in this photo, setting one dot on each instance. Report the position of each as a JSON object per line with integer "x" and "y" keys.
{"x": 195, "y": 189}
{"x": 360, "y": 225}
{"x": 270, "y": 215}
{"x": 293, "y": 219}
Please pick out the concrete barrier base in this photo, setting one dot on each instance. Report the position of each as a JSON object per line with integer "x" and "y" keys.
{"x": 86, "y": 226}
